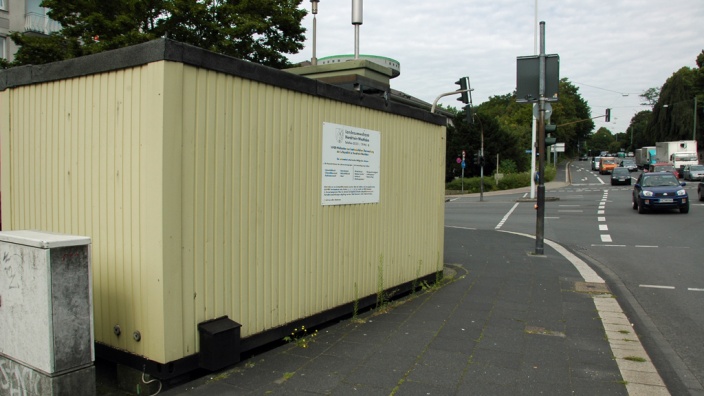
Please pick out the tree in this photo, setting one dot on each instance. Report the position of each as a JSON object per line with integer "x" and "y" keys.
{"x": 516, "y": 119}
{"x": 601, "y": 140}
{"x": 637, "y": 130}
{"x": 259, "y": 31}
{"x": 650, "y": 96}
{"x": 673, "y": 113}
{"x": 573, "y": 115}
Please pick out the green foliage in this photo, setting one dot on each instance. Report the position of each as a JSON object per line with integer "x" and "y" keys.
{"x": 638, "y": 127}
{"x": 514, "y": 180}
{"x": 673, "y": 109}
{"x": 507, "y": 128}
{"x": 601, "y": 140}
{"x": 508, "y": 166}
{"x": 508, "y": 182}
{"x": 258, "y": 31}
{"x": 301, "y": 337}
{"x": 472, "y": 184}
{"x": 650, "y": 96}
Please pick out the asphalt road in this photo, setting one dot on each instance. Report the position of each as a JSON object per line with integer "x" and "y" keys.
{"x": 652, "y": 262}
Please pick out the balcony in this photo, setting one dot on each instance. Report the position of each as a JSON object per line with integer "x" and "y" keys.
{"x": 39, "y": 23}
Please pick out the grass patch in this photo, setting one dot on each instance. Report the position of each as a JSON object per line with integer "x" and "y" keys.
{"x": 635, "y": 359}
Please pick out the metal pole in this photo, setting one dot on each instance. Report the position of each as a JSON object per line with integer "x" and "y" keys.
{"x": 694, "y": 128}
{"x": 534, "y": 123}
{"x": 356, "y": 41}
{"x": 540, "y": 221}
{"x": 357, "y": 19}
{"x": 481, "y": 166}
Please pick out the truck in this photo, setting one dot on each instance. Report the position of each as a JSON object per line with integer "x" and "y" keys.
{"x": 645, "y": 156}
{"x": 678, "y": 153}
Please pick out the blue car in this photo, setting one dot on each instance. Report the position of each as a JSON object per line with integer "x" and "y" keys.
{"x": 660, "y": 190}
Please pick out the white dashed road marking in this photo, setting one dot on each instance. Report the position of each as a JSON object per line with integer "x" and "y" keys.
{"x": 501, "y": 223}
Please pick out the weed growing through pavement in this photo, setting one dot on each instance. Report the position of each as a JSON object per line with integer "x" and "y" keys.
{"x": 635, "y": 359}
{"x": 380, "y": 298}
{"x": 355, "y": 306}
{"x": 301, "y": 337}
{"x": 415, "y": 281}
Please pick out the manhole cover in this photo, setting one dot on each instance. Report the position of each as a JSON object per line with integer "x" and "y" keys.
{"x": 591, "y": 287}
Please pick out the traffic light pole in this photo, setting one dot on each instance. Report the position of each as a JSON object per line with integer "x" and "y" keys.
{"x": 435, "y": 103}
{"x": 540, "y": 220}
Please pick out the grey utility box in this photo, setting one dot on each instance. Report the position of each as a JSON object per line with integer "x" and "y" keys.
{"x": 46, "y": 314}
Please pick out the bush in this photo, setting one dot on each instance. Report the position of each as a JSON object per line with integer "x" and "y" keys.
{"x": 472, "y": 184}
{"x": 508, "y": 166}
{"x": 514, "y": 180}
{"x": 508, "y": 182}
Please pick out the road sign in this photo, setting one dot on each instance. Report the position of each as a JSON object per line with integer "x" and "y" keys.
{"x": 559, "y": 147}
{"x": 548, "y": 112}
{"x": 463, "y": 165}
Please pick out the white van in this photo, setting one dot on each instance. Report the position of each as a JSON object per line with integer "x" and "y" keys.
{"x": 596, "y": 161}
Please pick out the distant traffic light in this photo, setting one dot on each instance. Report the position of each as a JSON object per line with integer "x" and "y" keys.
{"x": 607, "y": 116}
{"x": 476, "y": 159}
{"x": 463, "y": 82}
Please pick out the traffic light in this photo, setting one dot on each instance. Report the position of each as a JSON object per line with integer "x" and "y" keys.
{"x": 468, "y": 114}
{"x": 463, "y": 82}
{"x": 607, "y": 116}
{"x": 475, "y": 158}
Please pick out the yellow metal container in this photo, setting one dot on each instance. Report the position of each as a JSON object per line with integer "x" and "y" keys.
{"x": 198, "y": 178}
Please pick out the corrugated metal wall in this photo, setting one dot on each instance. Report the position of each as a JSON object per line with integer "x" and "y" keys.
{"x": 202, "y": 190}
{"x": 81, "y": 156}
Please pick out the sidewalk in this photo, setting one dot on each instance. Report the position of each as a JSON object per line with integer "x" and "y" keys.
{"x": 506, "y": 323}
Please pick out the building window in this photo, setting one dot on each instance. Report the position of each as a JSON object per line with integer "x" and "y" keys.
{"x": 36, "y": 19}
{"x": 3, "y": 47}
{"x": 3, "y": 5}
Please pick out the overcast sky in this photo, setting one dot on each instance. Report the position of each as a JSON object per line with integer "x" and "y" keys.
{"x": 611, "y": 50}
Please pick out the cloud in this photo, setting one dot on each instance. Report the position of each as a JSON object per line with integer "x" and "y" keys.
{"x": 611, "y": 48}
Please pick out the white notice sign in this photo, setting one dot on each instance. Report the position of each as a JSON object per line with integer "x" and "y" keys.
{"x": 350, "y": 165}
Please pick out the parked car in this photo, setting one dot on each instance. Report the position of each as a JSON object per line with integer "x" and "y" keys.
{"x": 663, "y": 167}
{"x": 620, "y": 175}
{"x": 659, "y": 190}
{"x": 693, "y": 172}
{"x": 629, "y": 164}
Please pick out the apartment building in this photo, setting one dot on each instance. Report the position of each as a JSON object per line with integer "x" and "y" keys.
{"x": 26, "y": 16}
